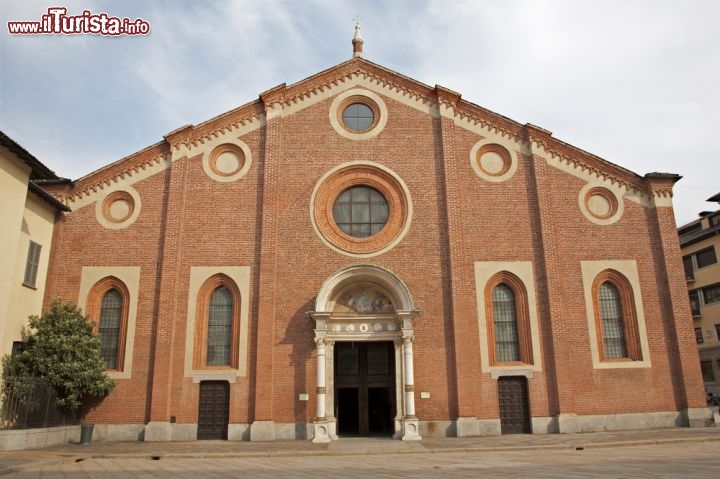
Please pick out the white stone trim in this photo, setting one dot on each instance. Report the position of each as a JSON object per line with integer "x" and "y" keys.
{"x": 484, "y": 270}
{"x": 372, "y": 97}
{"x": 512, "y": 168}
{"x": 628, "y": 268}
{"x": 367, "y": 273}
{"x": 207, "y": 149}
{"x": 137, "y": 206}
{"x": 594, "y": 219}
{"x": 130, "y": 276}
{"x": 198, "y": 275}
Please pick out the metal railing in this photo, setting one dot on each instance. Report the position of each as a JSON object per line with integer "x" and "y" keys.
{"x": 29, "y": 403}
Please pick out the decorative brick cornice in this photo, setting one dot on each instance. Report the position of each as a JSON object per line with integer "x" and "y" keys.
{"x": 661, "y": 184}
{"x": 542, "y": 143}
{"x": 143, "y": 162}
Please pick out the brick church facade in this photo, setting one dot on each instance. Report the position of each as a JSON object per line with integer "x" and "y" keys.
{"x": 362, "y": 254}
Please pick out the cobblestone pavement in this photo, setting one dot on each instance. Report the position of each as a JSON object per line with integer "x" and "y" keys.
{"x": 674, "y": 460}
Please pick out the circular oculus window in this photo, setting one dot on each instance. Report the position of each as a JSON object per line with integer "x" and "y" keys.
{"x": 600, "y": 205}
{"x": 361, "y": 209}
{"x": 358, "y": 117}
{"x": 358, "y": 114}
{"x": 118, "y": 209}
{"x": 227, "y": 162}
{"x": 118, "y": 206}
{"x": 492, "y": 161}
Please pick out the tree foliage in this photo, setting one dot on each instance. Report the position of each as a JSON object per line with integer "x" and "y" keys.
{"x": 64, "y": 350}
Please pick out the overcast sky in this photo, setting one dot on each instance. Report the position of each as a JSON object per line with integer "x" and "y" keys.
{"x": 636, "y": 82}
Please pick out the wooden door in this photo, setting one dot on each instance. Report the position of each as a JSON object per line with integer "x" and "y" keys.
{"x": 364, "y": 387}
{"x": 514, "y": 405}
{"x": 214, "y": 410}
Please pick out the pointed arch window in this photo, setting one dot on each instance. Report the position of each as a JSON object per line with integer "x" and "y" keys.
{"x": 109, "y": 327}
{"x": 615, "y": 317}
{"x": 508, "y": 321}
{"x": 217, "y": 324}
{"x": 219, "y": 335}
{"x": 507, "y": 345}
{"x": 107, "y": 306}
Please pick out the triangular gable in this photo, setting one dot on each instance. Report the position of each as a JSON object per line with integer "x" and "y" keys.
{"x": 358, "y": 72}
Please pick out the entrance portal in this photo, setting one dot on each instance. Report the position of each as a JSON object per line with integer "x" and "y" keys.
{"x": 364, "y": 388}
{"x": 514, "y": 405}
{"x": 213, "y": 410}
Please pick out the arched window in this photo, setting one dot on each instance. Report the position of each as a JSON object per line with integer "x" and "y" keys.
{"x": 508, "y": 321}
{"x": 611, "y": 321}
{"x": 507, "y": 345}
{"x": 217, "y": 324}
{"x": 615, "y": 318}
{"x": 107, "y": 306}
{"x": 109, "y": 327}
{"x": 219, "y": 334}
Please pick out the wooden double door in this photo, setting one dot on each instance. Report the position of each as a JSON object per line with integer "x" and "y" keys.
{"x": 213, "y": 410}
{"x": 514, "y": 405}
{"x": 365, "y": 388}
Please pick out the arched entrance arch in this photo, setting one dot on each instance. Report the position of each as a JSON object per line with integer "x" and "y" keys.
{"x": 364, "y": 303}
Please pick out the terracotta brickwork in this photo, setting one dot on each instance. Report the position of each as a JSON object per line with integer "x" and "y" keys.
{"x": 264, "y": 220}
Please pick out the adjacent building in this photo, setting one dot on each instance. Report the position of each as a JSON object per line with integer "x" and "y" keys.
{"x": 359, "y": 253}
{"x": 700, "y": 244}
{"x": 27, "y": 219}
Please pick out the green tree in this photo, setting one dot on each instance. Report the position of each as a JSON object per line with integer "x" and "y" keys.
{"x": 63, "y": 349}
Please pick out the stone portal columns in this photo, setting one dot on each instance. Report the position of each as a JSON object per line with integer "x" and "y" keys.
{"x": 322, "y": 431}
{"x": 410, "y": 421}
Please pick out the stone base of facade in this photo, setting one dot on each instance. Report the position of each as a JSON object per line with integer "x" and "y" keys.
{"x": 572, "y": 423}
{"x": 699, "y": 417}
{"x": 272, "y": 431}
{"x": 20, "y": 439}
{"x": 118, "y": 432}
{"x": 411, "y": 430}
{"x": 321, "y": 432}
{"x": 165, "y": 431}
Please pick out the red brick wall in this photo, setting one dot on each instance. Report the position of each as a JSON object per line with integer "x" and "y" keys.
{"x": 263, "y": 221}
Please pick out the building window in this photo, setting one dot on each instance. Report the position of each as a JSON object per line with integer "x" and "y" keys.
{"x": 361, "y": 208}
{"x": 109, "y": 328}
{"x": 358, "y": 117}
{"x": 615, "y": 317}
{"x": 697, "y": 260}
{"x": 219, "y": 327}
{"x": 706, "y": 257}
{"x": 707, "y": 371}
{"x": 611, "y": 319}
{"x": 32, "y": 264}
{"x": 361, "y": 211}
{"x": 217, "y": 324}
{"x": 695, "y": 302}
{"x": 699, "y": 336}
{"x": 717, "y": 331}
{"x": 688, "y": 267}
{"x": 508, "y": 321}
{"x": 107, "y": 305}
{"x": 711, "y": 294}
{"x": 507, "y": 346}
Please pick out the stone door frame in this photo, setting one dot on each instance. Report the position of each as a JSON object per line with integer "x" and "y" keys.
{"x": 367, "y": 324}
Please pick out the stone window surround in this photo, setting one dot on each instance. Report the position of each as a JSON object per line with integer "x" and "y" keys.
{"x": 199, "y": 276}
{"x": 487, "y": 273}
{"x": 522, "y": 318}
{"x": 204, "y": 296}
{"x": 94, "y": 282}
{"x": 591, "y": 270}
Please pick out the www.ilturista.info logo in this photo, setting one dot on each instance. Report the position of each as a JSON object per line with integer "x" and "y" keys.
{"x": 57, "y": 21}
